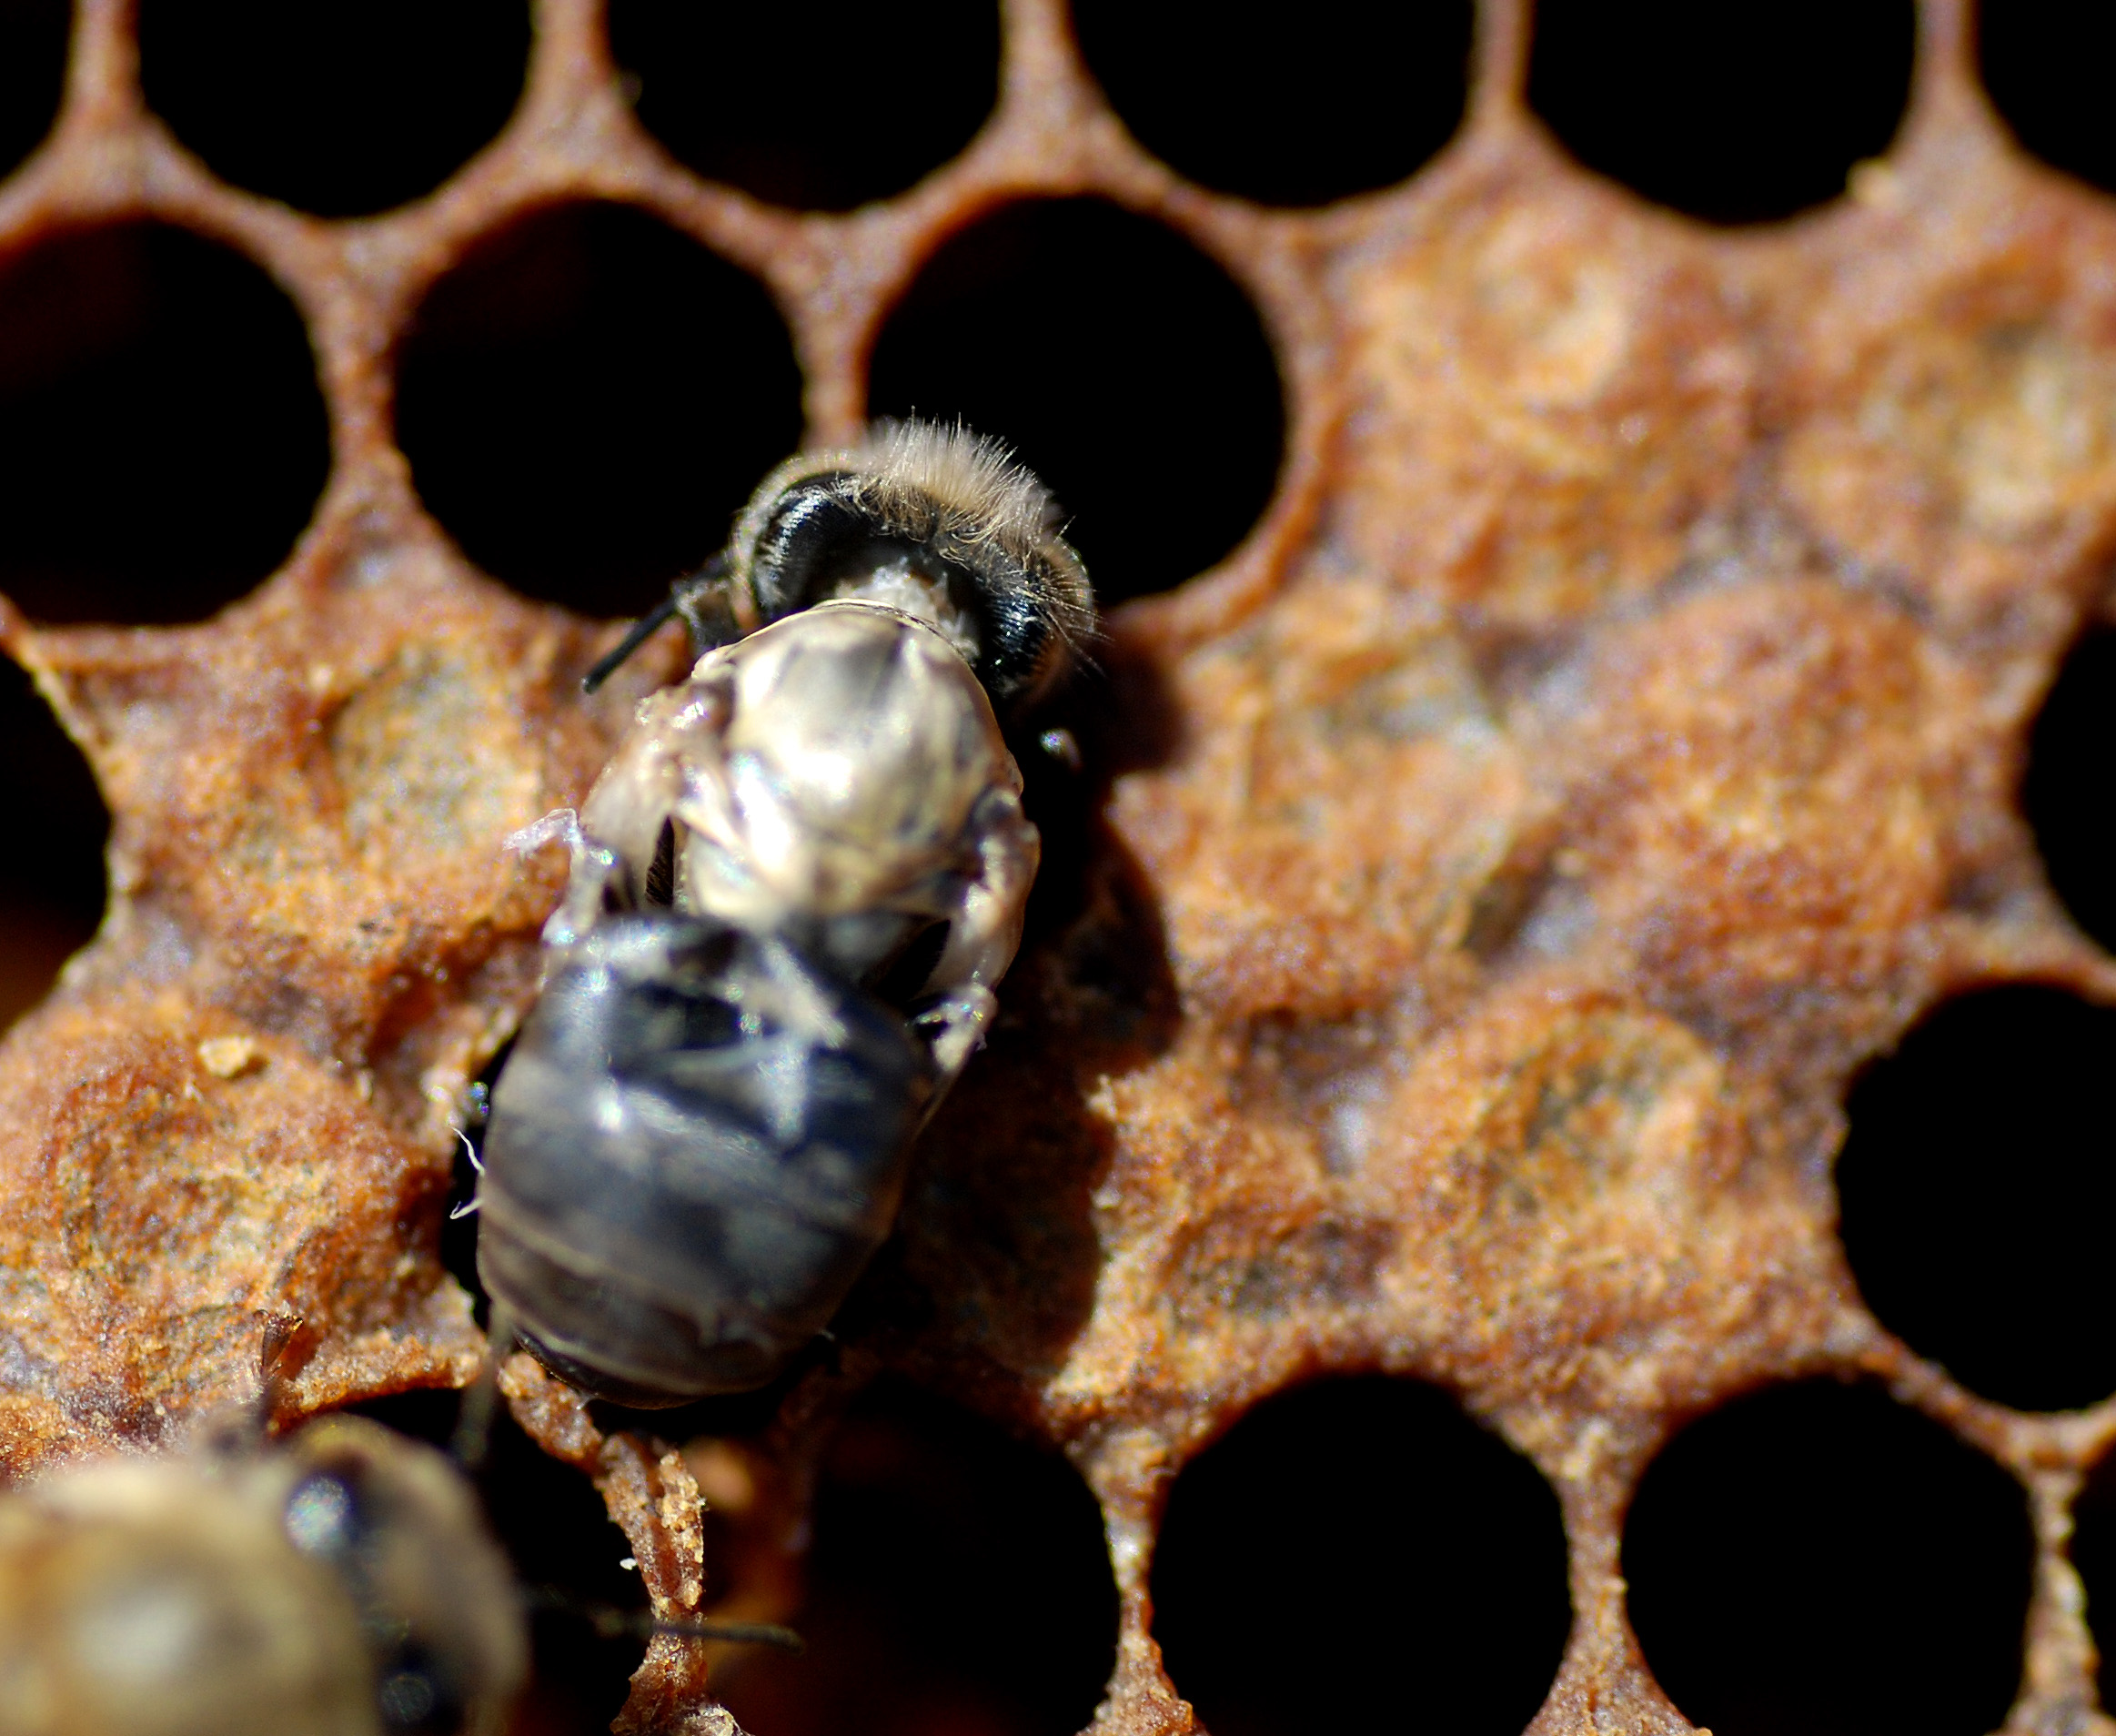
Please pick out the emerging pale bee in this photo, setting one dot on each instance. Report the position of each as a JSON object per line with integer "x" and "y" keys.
{"x": 793, "y": 891}
{"x": 341, "y": 1585}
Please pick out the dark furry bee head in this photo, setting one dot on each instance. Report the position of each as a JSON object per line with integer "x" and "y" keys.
{"x": 934, "y": 521}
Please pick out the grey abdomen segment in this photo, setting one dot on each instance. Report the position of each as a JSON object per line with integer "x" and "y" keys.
{"x": 699, "y": 1142}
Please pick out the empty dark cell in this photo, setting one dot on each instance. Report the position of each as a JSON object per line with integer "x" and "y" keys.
{"x": 2069, "y": 791}
{"x": 1978, "y": 1189}
{"x": 1124, "y": 366}
{"x": 2094, "y": 1553}
{"x": 842, "y": 102}
{"x": 566, "y": 1557}
{"x": 1359, "y": 1555}
{"x": 1733, "y": 114}
{"x": 51, "y": 885}
{"x": 1292, "y": 106}
{"x": 33, "y": 73}
{"x": 162, "y": 439}
{"x": 2045, "y": 64}
{"x": 1816, "y": 1560}
{"x": 587, "y": 399}
{"x": 338, "y": 110}
{"x": 959, "y": 1582}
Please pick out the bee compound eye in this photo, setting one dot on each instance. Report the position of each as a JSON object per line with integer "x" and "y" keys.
{"x": 810, "y": 524}
{"x": 697, "y": 1144}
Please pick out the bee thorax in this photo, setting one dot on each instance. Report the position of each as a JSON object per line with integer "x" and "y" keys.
{"x": 827, "y": 777}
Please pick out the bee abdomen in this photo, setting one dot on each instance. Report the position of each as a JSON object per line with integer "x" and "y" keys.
{"x": 699, "y": 1142}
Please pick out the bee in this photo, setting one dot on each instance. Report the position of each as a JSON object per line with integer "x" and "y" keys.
{"x": 793, "y": 890}
{"x": 341, "y": 1585}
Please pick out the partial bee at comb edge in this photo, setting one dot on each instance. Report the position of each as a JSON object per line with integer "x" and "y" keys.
{"x": 342, "y": 1584}
{"x": 794, "y": 889}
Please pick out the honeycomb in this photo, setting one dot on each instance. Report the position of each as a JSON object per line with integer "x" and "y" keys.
{"x": 1500, "y": 865}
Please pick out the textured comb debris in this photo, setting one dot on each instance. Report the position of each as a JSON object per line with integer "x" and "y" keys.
{"x": 1603, "y": 747}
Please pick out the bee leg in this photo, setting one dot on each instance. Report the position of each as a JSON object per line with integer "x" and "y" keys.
{"x": 473, "y": 1437}
{"x": 954, "y": 1027}
{"x": 611, "y": 1623}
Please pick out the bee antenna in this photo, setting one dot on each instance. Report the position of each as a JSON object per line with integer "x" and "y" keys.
{"x": 642, "y": 630}
{"x": 683, "y": 599}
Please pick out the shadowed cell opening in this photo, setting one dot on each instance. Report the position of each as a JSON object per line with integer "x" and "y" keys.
{"x": 560, "y": 1540}
{"x": 2045, "y": 66}
{"x": 2094, "y": 1553}
{"x": 1977, "y": 1186}
{"x": 588, "y": 398}
{"x": 959, "y": 1581}
{"x": 2069, "y": 792}
{"x": 340, "y": 110}
{"x": 1817, "y": 1560}
{"x": 1278, "y": 111}
{"x": 824, "y": 109}
{"x": 33, "y": 74}
{"x": 1359, "y": 1555}
{"x": 162, "y": 438}
{"x": 1732, "y": 114}
{"x": 1124, "y": 366}
{"x": 52, "y": 892}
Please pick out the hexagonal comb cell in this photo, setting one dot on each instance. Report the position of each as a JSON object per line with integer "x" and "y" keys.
{"x": 51, "y": 897}
{"x": 1732, "y": 116}
{"x": 2068, "y": 783}
{"x": 1565, "y": 728}
{"x": 867, "y": 103}
{"x": 1976, "y": 1184}
{"x": 957, "y": 1576}
{"x": 1815, "y": 1556}
{"x": 336, "y": 110}
{"x": 586, "y": 400}
{"x": 161, "y": 434}
{"x": 1282, "y": 114}
{"x": 32, "y": 67}
{"x": 1346, "y": 1535}
{"x": 1040, "y": 317}
{"x": 2040, "y": 63}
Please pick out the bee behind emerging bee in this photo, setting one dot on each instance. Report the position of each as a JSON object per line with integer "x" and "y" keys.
{"x": 793, "y": 891}
{"x": 343, "y": 1585}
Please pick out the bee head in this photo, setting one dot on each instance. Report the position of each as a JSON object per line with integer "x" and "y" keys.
{"x": 937, "y": 523}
